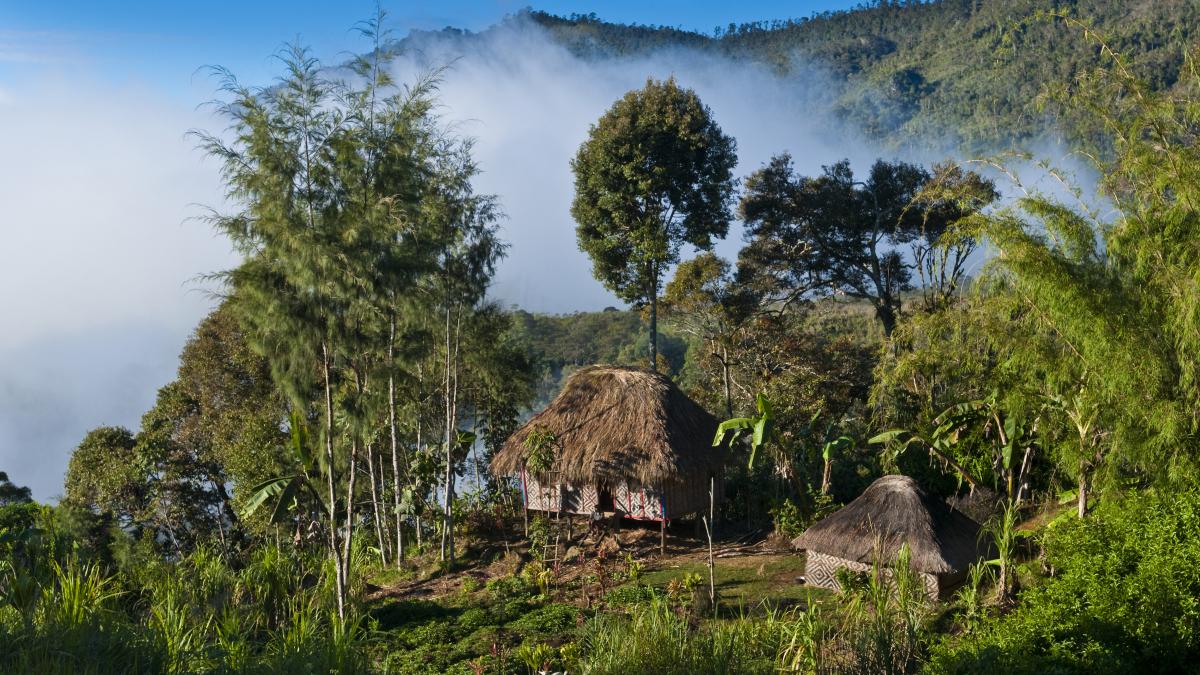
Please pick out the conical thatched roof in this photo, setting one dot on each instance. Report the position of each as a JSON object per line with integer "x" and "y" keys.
{"x": 615, "y": 424}
{"x": 894, "y": 510}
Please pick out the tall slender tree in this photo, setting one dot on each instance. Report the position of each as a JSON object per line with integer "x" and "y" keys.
{"x": 330, "y": 175}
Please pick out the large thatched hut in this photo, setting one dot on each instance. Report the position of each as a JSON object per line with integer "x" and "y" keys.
{"x": 627, "y": 441}
{"x": 894, "y": 510}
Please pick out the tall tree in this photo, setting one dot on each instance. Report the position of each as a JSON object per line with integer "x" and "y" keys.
{"x": 656, "y": 172}
{"x": 705, "y": 302}
{"x": 326, "y": 172}
{"x": 835, "y": 234}
{"x": 470, "y": 248}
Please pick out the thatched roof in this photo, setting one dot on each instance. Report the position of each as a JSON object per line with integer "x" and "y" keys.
{"x": 894, "y": 510}
{"x": 613, "y": 424}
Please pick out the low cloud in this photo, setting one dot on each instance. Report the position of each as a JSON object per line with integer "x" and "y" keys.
{"x": 99, "y": 256}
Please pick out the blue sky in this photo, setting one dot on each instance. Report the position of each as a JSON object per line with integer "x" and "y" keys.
{"x": 163, "y": 43}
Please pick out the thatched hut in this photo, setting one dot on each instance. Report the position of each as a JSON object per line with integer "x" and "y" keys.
{"x": 894, "y": 510}
{"x": 627, "y": 441}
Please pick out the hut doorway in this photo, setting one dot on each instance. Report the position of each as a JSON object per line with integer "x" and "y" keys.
{"x": 604, "y": 500}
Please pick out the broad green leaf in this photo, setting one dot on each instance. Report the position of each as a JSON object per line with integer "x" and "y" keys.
{"x": 735, "y": 425}
{"x": 260, "y": 493}
{"x": 764, "y": 406}
{"x": 886, "y": 437}
{"x": 760, "y": 432}
{"x": 284, "y": 504}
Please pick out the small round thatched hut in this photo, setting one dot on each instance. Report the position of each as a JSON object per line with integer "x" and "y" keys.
{"x": 627, "y": 441}
{"x": 893, "y": 511}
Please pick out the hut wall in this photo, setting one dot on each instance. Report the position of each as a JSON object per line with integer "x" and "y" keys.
{"x": 820, "y": 570}
{"x": 690, "y": 497}
{"x": 638, "y": 502}
{"x": 578, "y": 499}
{"x": 633, "y": 501}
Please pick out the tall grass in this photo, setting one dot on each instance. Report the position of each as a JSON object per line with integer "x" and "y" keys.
{"x": 657, "y": 638}
{"x": 195, "y": 615}
{"x": 880, "y": 629}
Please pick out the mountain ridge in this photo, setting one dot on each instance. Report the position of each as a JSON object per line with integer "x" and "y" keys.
{"x": 974, "y": 69}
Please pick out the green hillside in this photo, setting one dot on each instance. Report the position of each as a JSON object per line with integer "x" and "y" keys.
{"x": 916, "y": 71}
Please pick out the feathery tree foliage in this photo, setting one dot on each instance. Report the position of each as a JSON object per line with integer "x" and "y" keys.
{"x": 655, "y": 173}
{"x": 356, "y": 204}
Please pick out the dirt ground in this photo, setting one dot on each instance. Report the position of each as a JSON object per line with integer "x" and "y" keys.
{"x": 749, "y": 568}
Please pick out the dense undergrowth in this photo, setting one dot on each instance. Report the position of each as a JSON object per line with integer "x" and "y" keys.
{"x": 1115, "y": 592}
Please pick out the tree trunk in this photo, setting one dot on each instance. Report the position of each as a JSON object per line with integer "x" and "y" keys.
{"x": 708, "y": 531}
{"x": 375, "y": 503}
{"x": 726, "y": 381}
{"x": 1003, "y": 594}
{"x": 1083, "y": 488}
{"x": 653, "y": 317}
{"x": 826, "y": 477}
{"x": 887, "y": 317}
{"x": 451, "y": 428}
{"x": 1023, "y": 477}
{"x": 392, "y": 431}
{"x": 447, "y": 512}
{"x": 339, "y": 587}
{"x": 348, "y": 541}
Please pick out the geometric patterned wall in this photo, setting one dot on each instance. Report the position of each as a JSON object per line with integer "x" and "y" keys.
{"x": 581, "y": 500}
{"x": 820, "y": 570}
{"x": 631, "y": 501}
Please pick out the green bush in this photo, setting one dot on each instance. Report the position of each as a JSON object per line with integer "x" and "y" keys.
{"x": 1123, "y": 597}
{"x": 546, "y": 621}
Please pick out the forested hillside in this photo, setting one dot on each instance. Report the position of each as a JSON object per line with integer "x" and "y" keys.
{"x": 914, "y": 71}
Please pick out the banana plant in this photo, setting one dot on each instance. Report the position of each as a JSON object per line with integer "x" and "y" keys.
{"x": 940, "y": 443}
{"x": 289, "y": 492}
{"x": 1006, "y": 430}
{"x": 830, "y": 447}
{"x": 761, "y": 428}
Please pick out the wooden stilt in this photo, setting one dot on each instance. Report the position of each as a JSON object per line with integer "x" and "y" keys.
{"x": 662, "y": 514}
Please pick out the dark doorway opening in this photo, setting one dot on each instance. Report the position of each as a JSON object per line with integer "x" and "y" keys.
{"x": 604, "y": 500}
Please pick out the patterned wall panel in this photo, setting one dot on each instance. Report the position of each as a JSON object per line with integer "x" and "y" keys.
{"x": 820, "y": 570}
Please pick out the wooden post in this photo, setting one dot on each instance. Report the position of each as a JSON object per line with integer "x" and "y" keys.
{"x": 712, "y": 506}
{"x": 662, "y": 530}
{"x": 525, "y": 502}
{"x": 708, "y": 530}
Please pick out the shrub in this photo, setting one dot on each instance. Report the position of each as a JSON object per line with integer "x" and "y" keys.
{"x": 1123, "y": 598}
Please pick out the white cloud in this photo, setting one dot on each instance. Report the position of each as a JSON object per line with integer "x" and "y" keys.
{"x": 96, "y": 184}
